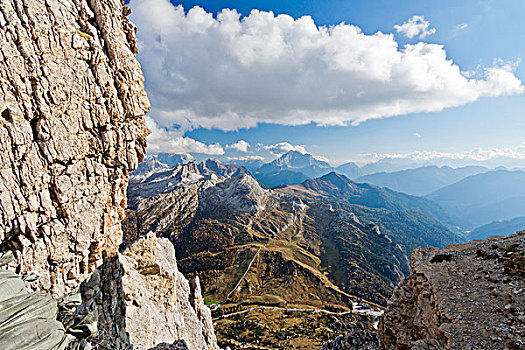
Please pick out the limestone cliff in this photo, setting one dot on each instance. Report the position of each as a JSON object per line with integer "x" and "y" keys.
{"x": 71, "y": 130}
{"x": 156, "y": 293}
{"x": 467, "y": 296}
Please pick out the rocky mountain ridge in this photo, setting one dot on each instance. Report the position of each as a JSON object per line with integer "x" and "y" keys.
{"x": 423, "y": 180}
{"x": 278, "y": 250}
{"x": 467, "y": 296}
{"x": 72, "y": 102}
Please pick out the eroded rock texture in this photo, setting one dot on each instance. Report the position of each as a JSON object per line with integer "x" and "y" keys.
{"x": 71, "y": 129}
{"x": 467, "y": 296}
{"x": 161, "y": 305}
{"x": 142, "y": 300}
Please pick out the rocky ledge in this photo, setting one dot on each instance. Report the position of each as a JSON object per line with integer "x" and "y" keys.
{"x": 466, "y": 296}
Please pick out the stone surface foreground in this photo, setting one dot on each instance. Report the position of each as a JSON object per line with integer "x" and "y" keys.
{"x": 466, "y": 296}
{"x": 71, "y": 130}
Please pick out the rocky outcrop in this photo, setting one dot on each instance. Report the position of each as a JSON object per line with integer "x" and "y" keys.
{"x": 161, "y": 305}
{"x": 237, "y": 194}
{"x": 71, "y": 129}
{"x": 72, "y": 102}
{"x": 356, "y": 340}
{"x": 467, "y": 296}
{"x": 141, "y": 298}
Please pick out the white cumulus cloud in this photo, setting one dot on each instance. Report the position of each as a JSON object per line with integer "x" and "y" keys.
{"x": 477, "y": 154}
{"x": 173, "y": 141}
{"x": 229, "y": 72}
{"x": 283, "y": 147}
{"x": 241, "y": 146}
{"x": 417, "y": 25}
{"x": 246, "y": 158}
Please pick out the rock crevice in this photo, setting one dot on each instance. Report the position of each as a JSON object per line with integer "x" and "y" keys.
{"x": 72, "y": 102}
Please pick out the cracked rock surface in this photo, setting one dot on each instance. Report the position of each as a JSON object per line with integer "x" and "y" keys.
{"x": 466, "y": 296}
{"x": 72, "y": 102}
{"x": 162, "y": 306}
{"x": 71, "y": 129}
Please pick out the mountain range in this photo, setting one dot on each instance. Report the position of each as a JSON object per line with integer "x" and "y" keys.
{"x": 291, "y": 168}
{"x": 326, "y": 243}
{"x": 483, "y": 198}
{"x": 497, "y": 193}
{"x": 342, "y": 191}
{"x": 423, "y": 180}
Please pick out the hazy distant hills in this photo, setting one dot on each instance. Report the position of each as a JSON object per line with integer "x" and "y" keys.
{"x": 389, "y": 165}
{"x": 295, "y": 167}
{"x": 340, "y": 187}
{"x": 423, "y": 180}
{"x": 350, "y": 170}
{"x": 280, "y": 178}
{"x": 483, "y": 198}
{"x": 505, "y": 227}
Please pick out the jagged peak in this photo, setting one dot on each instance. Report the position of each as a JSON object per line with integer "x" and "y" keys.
{"x": 239, "y": 194}
{"x": 296, "y": 159}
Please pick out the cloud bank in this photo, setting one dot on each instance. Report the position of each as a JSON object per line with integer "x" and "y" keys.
{"x": 241, "y": 146}
{"x": 172, "y": 141}
{"x": 417, "y": 25}
{"x": 229, "y": 72}
{"x": 246, "y": 158}
{"x": 478, "y": 154}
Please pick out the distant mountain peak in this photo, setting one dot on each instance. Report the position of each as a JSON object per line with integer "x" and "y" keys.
{"x": 336, "y": 179}
{"x": 296, "y": 159}
{"x": 292, "y": 167}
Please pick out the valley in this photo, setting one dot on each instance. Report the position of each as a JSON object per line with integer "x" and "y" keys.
{"x": 292, "y": 262}
{"x": 157, "y": 189}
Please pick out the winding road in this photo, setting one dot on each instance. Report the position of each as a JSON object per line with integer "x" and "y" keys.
{"x": 356, "y": 310}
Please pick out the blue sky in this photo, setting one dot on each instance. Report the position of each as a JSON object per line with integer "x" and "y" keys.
{"x": 476, "y": 35}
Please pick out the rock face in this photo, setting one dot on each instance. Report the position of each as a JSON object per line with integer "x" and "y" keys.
{"x": 72, "y": 102}
{"x": 71, "y": 129}
{"x": 468, "y": 296}
{"x": 142, "y": 300}
{"x": 356, "y": 340}
{"x": 161, "y": 305}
